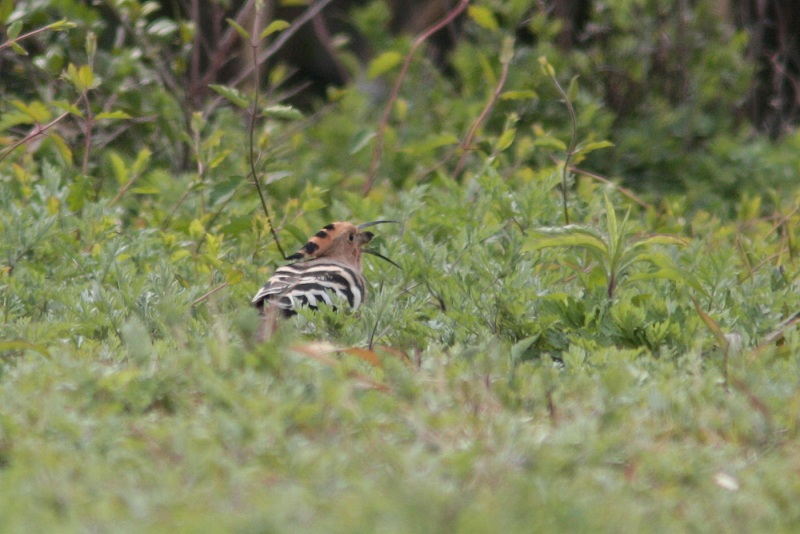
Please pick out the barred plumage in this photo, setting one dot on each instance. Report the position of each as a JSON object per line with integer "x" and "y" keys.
{"x": 309, "y": 283}
{"x": 330, "y": 264}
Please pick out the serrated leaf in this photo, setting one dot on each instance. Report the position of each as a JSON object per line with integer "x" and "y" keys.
{"x": 112, "y": 115}
{"x": 384, "y": 63}
{"x": 235, "y": 96}
{"x": 79, "y": 192}
{"x": 241, "y": 31}
{"x": 274, "y": 26}
{"x": 483, "y": 17}
{"x": 524, "y": 94}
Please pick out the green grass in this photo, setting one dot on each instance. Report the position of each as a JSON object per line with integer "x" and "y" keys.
{"x": 129, "y": 405}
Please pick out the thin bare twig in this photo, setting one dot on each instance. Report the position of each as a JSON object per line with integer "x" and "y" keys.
{"x": 258, "y": 59}
{"x": 254, "y": 39}
{"x": 625, "y": 191}
{"x": 572, "y": 143}
{"x": 36, "y": 132}
{"x": 377, "y": 151}
{"x": 202, "y": 298}
{"x": 467, "y": 142}
{"x": 63, "y": 24}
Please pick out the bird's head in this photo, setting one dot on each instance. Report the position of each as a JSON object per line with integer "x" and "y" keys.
{"x": 342, "y": 241}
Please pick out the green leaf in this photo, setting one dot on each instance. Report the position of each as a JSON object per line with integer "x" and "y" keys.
{"x": 661, "y": 239}
{"x": 142, "y": 161}
{"x": 234, "y": 276}
{"x": 237, "y": 226}
{"x": 483, "y": 17}
{"x": 86, "y": 77}
{"x": 524, "y": 94}
{"x": 235, "y": 96}
{"x": 112, "y": 115}
{"x": 21, "y": 344}
{"x": 62, "y": 147}
{"x": 219, "y": 158}
{"x": 507, "y": 52}
{"x": 567, "y": 236}
{"x": 547, "y": 68}
{"x": 313, "y": 204}
{"x": 506, "y": 139}
{"x": 519, "y": 348}
{"x": 384, "y": 63}
{"x": 283, "y": 112}
{"x": 13, "y": 31}
{"x": 61, "y": 25}
{"x": 296, "y": 233}
{"x": 79, "y": 192}
{"x": 361, "y": 140}
{"x": 241, "y": 31}
{"x": 550, "y": 142}
{"x": 18, "y": 49}
{"x": 431, "y": 143}
{"x": 146, "y": 190}
{"x": 590, "y": 147}
{"x": 274, "y": 26}
{"x": 6, "y": 8}
{"x": 224, "y": 190}
{"x": 572, "y": 90}
{"x": 120, "y": 168}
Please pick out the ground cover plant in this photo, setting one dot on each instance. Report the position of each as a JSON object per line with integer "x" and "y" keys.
{"x": 555, "y": 352}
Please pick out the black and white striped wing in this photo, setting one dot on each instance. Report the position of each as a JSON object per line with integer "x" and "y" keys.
{"x": 310, "y": 283}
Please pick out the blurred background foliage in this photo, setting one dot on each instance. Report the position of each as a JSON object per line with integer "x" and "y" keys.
{"x": 700, "y": 97}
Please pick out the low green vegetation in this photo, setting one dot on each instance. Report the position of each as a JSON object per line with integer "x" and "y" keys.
{"x": 634, "y": 370}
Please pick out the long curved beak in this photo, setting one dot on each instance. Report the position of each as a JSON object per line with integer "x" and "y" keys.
{"x": 373, "y": 223}
{"x": 381, "y": 256}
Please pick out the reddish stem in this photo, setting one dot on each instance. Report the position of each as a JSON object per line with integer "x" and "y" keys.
{"x": 377, "y": 152}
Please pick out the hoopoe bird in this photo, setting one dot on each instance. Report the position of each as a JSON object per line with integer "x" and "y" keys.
{"x": 328, "y": 264}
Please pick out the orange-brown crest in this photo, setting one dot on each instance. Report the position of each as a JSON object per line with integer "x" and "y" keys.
{"x": 341, "y": 240}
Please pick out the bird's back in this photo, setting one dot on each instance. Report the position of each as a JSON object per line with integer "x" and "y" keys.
{"x": 310, "y": 283}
